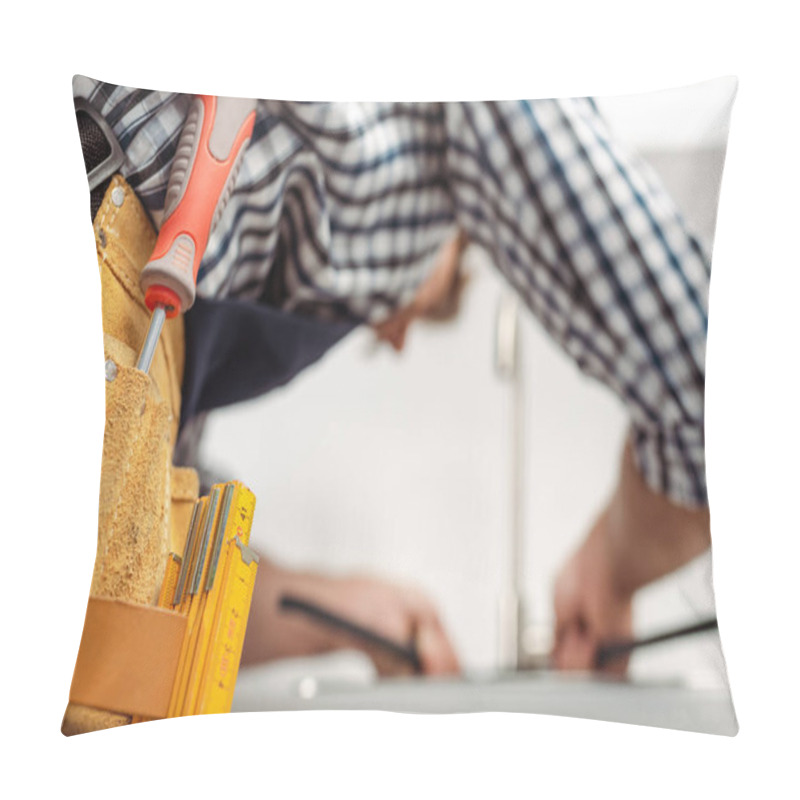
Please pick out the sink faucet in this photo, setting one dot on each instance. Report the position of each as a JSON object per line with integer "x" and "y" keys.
{"x": 522, "y": 643}
{"x": 508, "y": 368}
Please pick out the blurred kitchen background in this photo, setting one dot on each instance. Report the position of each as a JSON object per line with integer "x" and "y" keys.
{"x": 403, "y": 465}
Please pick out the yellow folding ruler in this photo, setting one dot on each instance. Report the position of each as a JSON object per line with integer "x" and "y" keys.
{"x": 211, "y": 584}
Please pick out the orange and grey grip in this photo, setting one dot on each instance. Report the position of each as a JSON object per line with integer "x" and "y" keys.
{"x": 208, "y": 158}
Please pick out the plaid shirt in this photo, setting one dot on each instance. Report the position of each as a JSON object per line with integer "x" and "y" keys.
{"x": 340, "y": 208}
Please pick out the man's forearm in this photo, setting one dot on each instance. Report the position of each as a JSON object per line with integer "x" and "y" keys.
{"x": 272, "y": 635}
{"x": 649, "y": 536}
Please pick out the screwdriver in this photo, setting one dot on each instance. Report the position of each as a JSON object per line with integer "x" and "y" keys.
{"x": 207, "y": 161}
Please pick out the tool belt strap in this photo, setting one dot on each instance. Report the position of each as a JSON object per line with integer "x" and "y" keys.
{"x": 128, "y": 658}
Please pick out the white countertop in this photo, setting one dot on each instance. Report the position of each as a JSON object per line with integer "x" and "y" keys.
{"x": 660, "y": 704}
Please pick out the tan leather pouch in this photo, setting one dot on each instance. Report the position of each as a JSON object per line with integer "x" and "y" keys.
{"x": 145, "y": 502}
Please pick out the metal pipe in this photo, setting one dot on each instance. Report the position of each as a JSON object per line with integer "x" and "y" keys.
{"x": 508, "y": 367}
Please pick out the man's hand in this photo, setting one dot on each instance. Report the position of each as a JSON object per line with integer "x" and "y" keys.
{"x": 590, "y": 608}
{"x": 640, "y": 537}
{"x": 398, "y": 613}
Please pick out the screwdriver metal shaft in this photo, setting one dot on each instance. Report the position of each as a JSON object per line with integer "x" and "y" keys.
{"x": 151, "y": 340}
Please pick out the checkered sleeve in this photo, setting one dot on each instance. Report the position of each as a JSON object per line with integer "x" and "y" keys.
{"x": 590, "y": 239}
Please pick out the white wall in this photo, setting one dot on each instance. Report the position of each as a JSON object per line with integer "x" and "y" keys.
{"x": 401, "y": 465}
{"x": 690, "y": 118}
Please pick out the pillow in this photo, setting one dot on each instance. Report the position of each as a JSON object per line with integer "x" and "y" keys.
{"x": 513, "y": 516}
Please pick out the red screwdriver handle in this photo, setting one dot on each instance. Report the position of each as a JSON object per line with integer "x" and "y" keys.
{"x": 208, "y": 158}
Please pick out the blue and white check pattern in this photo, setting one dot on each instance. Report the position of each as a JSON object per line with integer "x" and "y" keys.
{"x": 340, "y": 209}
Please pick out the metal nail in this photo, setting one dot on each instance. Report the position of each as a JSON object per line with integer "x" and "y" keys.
{"x": 111, "y": 370}
{"x": 117, "y": 196}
